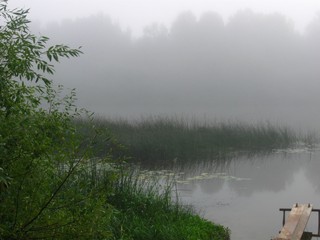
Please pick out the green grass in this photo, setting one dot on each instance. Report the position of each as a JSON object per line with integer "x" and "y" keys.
{"x": 147, "y": 211}
{"x": 142, "y": 210}
{"x": 158, "y": 139}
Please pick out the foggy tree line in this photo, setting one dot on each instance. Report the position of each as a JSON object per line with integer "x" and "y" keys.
{"x": 252, "y": 67}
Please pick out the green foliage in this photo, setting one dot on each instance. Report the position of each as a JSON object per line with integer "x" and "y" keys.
{"x": 47, "y": 190}
{"x": 50, "y": 186}
{"x": 147, "y": 211}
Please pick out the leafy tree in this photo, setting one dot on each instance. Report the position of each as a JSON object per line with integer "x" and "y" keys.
{"x": 47, "y": 189}
{"x": 50, "y": 186}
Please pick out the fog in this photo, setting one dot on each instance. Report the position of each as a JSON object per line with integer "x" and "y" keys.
{"x": 254, "y": 67}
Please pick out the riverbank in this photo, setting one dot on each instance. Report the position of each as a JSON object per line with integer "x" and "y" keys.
{"x": 148, "y": 211}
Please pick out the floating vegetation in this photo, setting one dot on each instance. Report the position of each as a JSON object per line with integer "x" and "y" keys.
{"x": 180, "y": 178}
{"x": 296, "y": 150}
{"x": 205, "y": 176}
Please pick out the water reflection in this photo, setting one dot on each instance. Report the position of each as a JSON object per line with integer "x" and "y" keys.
{"x": 245, "y": 192}
{"x": 312, "y": 168}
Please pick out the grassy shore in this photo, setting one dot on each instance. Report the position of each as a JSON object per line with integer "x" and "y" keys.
{"x": 147, "y": 211}
{"x": 164, "y": 140}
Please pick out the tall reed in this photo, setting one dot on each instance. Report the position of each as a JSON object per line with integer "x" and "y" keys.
{"x": 164, "y": 139}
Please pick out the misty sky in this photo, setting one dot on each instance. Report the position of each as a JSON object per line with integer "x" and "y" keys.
{"x": 213, "y": 60}
{"x": 136, "y": 14}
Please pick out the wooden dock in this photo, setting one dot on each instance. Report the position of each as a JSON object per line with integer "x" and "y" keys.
{"x": 295, "y": 224}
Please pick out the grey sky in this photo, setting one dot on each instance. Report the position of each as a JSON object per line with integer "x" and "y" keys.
{"x": 135, "y": 14}
{"x": 255, "y": 67}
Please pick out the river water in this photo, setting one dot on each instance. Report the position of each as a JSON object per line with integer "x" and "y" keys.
{"x": 246, "y": 192}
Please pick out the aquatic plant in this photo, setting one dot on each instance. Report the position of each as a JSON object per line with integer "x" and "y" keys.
{"x": 168, "y": 140}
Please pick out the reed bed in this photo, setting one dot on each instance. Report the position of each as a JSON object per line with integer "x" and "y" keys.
{"x": 164, "y": 139}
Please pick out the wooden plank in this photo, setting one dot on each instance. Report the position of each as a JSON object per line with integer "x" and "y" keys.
{"x": 304, "y": 218}
{"x": 291, "y": 222}
{"x": 295, "y": 223}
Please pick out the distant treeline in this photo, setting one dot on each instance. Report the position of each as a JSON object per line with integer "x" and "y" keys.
{"x": 254, "y": 66}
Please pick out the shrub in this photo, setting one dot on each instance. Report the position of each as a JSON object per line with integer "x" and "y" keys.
{"x": 46, "y": 188}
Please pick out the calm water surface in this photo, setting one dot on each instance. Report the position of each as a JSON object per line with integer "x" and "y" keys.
{"x": 245, "y": 193}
